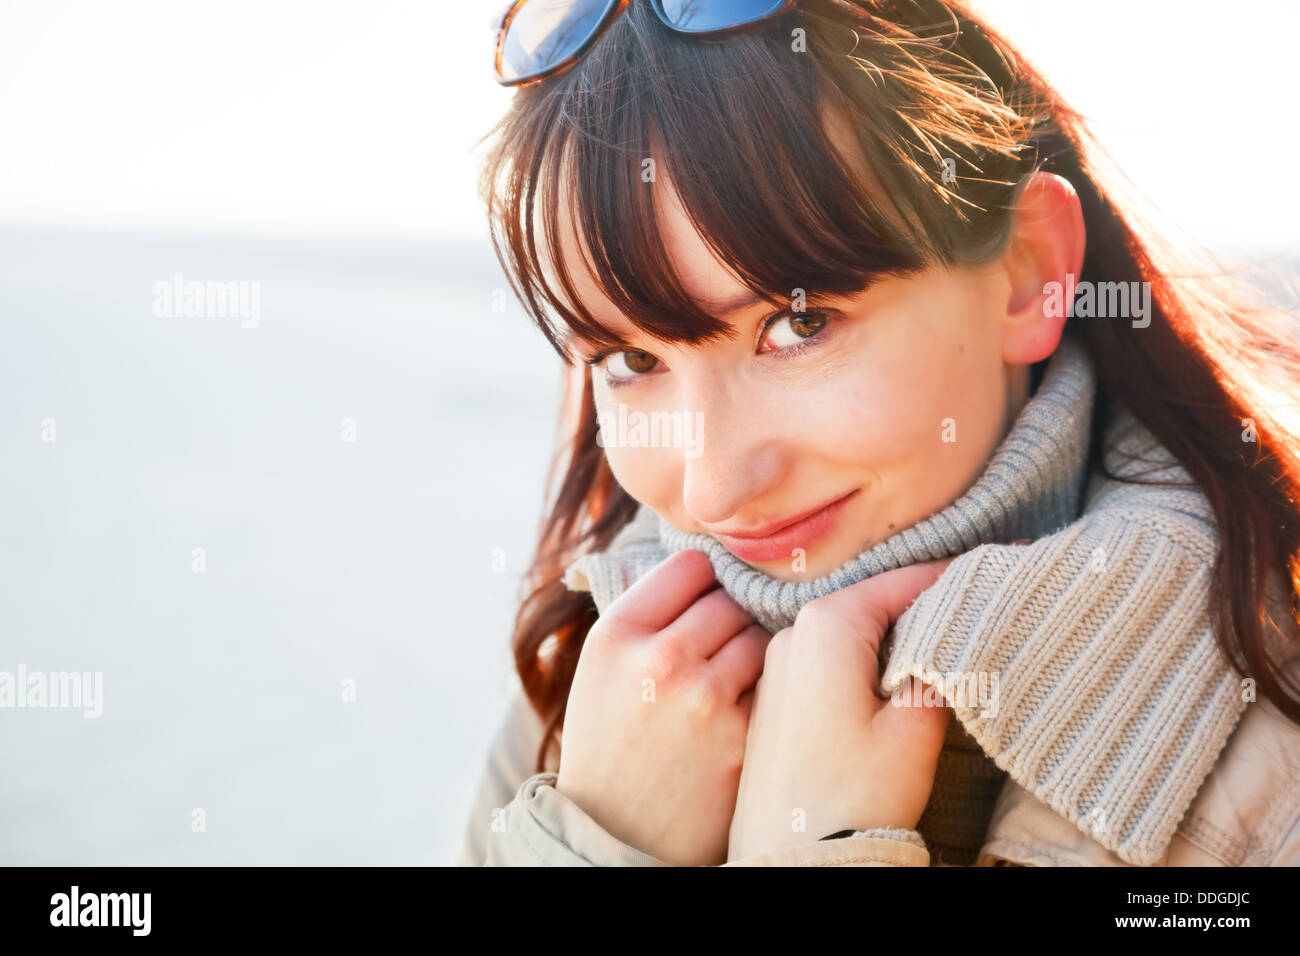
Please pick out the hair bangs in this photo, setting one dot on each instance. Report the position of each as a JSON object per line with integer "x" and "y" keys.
{"x": 648, "y": 116}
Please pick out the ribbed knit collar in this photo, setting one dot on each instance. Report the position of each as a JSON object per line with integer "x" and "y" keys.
{"x": 1031, "y": 487}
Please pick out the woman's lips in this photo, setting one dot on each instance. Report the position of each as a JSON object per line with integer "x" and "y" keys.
{"x": 778, "y": 544}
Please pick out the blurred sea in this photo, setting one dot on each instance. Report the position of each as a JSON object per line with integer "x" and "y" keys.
{"x": 326, "y": 560}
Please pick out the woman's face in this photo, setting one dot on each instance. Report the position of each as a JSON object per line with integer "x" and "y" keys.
{"x": 809, "y": 436}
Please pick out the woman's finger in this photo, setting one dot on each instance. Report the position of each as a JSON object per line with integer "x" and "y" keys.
{"x": 746, "y": 702}
{"x": 739, "y": 662}
{"x": 910, "y": 723}
{"x": 709, "y": 623}
{"x": 665, "y": 592}
{"x": 882, "y": 598}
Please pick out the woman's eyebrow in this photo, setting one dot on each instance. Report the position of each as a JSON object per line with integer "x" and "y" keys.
{"x": 607, "y": 338}
{"x": 749, "y": 298}
{"x": 736, "y": 303}
{"x": 604, "y": 339}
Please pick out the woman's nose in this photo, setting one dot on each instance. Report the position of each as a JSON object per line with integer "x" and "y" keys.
{"x": 737, "y": 460}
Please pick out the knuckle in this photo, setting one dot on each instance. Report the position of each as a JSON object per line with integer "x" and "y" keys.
{"x": 684, "y": 564}
{"x": 818, "y": 615}
{"x": 679, "y": 635}
{"x": 613, "y": 625}
{"x": 704, "y": 698}
{"x": 778, "y": 647}
{"x": 662, "y": 662}
{"x": 608, "y": 644}
{"x": 602, "y": 632}
{"x": 733, "y": 753}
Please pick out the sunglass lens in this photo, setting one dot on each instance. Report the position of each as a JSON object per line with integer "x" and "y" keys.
{"x": 701, "y": 16}
{"x": 543, "y": 33}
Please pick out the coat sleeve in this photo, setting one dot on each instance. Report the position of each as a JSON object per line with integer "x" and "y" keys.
{"x": 542, "y": 827}
{"x": 887, "y": 846}
{"x": 519, "y": 819}
{"x": 509, "y": 763}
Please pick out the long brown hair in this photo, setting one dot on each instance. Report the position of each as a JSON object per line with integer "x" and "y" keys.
{"x": 950, "y": 119}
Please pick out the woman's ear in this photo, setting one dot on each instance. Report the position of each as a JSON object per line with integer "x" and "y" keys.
{"x": 1043, "y": 258}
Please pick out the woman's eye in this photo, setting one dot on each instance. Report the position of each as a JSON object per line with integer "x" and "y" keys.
{"x": 621, "y": 366}
{"x": 791, "y": 329}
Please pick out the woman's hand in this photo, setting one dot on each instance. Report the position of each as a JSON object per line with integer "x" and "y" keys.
{"x": 654, "y": 733}
{"x": 825, "y": 752}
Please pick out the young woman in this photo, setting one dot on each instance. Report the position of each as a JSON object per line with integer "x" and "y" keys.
{"x": 914, "y": 507}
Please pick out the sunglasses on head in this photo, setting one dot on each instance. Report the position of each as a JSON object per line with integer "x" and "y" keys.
{"x": 539, "y": 38}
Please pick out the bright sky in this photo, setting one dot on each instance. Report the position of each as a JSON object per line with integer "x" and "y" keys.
{"x": 296, "y": 118}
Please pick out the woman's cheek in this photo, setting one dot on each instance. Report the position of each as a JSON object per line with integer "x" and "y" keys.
{"x": 652, "y": 476}
{"x": 877, "y": 419}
